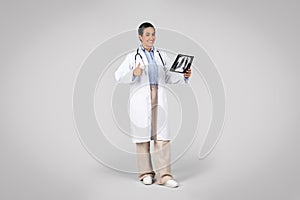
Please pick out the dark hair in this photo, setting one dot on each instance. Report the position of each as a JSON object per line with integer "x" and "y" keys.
{"x": 143, "y": 26}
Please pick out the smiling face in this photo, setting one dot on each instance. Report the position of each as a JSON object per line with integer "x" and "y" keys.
{"x": 148, "y": 38}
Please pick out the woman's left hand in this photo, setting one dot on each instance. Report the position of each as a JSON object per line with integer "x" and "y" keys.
{"x": 188, "y": 73}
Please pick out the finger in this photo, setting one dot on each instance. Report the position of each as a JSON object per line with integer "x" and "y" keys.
{"x": 139, "y": 65}
{"x": 187, "y": 75}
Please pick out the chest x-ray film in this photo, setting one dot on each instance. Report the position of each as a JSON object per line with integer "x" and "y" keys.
{"x": 182, "y": 63}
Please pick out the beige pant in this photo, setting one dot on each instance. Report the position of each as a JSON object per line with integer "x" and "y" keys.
{"x": 161, "y": 150}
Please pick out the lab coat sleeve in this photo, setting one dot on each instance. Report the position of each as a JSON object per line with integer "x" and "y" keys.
{"x": 124, "y": 73}
{"x": 172, "y": 77}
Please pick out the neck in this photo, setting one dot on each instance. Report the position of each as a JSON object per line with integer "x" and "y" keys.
{"x": 147, "y": 48}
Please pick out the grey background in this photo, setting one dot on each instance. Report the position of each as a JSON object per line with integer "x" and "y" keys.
{"x": 255, "y": 46}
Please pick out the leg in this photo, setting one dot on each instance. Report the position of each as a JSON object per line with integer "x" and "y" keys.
{"x": 161, "y": 148}
{"x": 154, "y": 101}
{"x": 144, "y": 160}
{"x": 162, "y": 161}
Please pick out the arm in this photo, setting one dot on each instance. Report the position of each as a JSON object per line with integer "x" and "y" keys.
{"x": 124, "y": 73}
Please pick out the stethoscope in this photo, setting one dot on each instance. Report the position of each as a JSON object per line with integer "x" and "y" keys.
{"x": 138, "y": 54}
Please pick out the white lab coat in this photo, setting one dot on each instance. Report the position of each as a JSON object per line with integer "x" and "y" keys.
{"x": 140, "y": 99}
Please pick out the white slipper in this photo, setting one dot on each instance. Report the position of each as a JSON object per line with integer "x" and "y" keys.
{"x": 147, "y": 180}
{"x": 171, "y": 183}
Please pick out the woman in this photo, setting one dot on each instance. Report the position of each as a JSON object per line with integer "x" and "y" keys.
{"x": 147, "y": 70}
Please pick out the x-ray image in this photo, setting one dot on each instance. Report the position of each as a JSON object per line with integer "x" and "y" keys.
{"x": 182, "y": 63}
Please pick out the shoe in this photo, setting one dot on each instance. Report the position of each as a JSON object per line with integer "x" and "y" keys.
{"x": 147, "y": 180}
{"x": 171, "y": 183}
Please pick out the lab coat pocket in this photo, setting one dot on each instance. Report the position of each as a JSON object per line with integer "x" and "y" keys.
{"x": 139, "y": 108}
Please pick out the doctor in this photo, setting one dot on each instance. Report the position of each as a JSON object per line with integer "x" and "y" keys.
{"x": 147, "y": 71}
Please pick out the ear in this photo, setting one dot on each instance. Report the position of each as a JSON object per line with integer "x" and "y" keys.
{"x": 140, "y": 37}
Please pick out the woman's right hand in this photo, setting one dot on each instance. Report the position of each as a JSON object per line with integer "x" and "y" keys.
{"x": 138, "y": 71}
